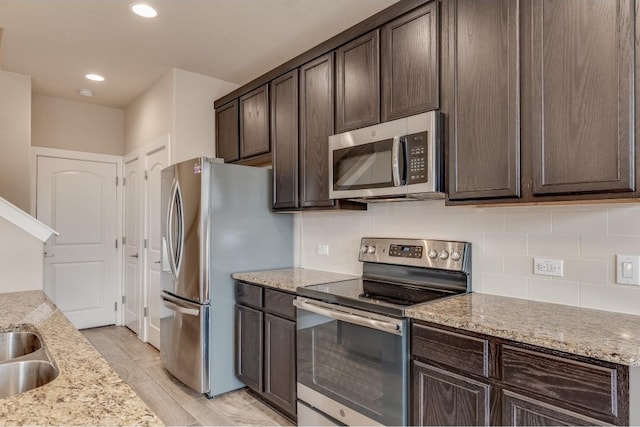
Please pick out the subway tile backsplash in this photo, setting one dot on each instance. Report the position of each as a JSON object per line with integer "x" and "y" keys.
{"x": 505, "y": 241}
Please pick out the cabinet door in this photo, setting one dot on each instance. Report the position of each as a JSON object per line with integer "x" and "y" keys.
{"x": 280, "y": 362}
{"x": 316, "y": 124}
{"x": 249, "y": 356}
{"x": 444, "y": 398}
{"x": 410, "y": 63}
{"x": 227, "y": 132}
{"x": 580, "y": 81}
{"x": 284, "y": 136}
{"x": 481, "y": 98}
{"x": 254, "y": 122}
{"x": 519, "y": 410}
{"x": 358, "y": 83}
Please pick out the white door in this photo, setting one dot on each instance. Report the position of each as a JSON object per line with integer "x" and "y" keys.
{"x": 78, "y": 199}
{"x": 155, "y": 161}
{"x": 132, "y": 301}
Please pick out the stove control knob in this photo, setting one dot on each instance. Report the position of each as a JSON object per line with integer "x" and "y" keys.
{"x": 433, "y": 254}
{"x": 455, "y": 255}
{"x": 372, "y": 249}
{"x": 364, "y": 249}
{"x": 443, "y": 255}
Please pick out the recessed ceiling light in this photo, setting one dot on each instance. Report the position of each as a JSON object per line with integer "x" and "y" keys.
{"x": 86, "y": 92}
{"x": 144, "y": 10}
{"x": 94, "y": 77}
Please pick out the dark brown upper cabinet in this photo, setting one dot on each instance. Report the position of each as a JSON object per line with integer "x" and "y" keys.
{"x": 580, "y": 95}
{"x": 540, "y": 100}
{"x": 316, "y": 124}
{"x": 358, "y": 83}
{"x": 481, "y": 53}
{"x": 284, "y": 135}
{"x": 410, "y": 63}
{"x": 227, "y": 147}
{"x": 254, "y": 123}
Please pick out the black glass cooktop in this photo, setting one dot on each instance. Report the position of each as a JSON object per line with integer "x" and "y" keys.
{"x": 378, "y": 297}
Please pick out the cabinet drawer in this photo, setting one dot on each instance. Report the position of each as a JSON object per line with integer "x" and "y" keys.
{"x": 279, "y": 303}
{"x": 586, "y": 385}
{"x": 249, "y": 294}
{"x": 459, "y": 351}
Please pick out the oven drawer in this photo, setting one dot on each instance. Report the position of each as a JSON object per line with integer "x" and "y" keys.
{"x": 586, "y": 385}
{"x": 449, "y": 348}
{"x": 280, "y": 303}
{"x": 250, "y": 295}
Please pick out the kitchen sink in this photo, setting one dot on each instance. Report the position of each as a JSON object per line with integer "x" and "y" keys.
{"x": 24, "y": 362}
{"x": 18, "y": 377}
{"x": 16, "y": 344}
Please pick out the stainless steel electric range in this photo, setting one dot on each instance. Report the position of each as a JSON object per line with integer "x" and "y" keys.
{"x": 352, "y": 336}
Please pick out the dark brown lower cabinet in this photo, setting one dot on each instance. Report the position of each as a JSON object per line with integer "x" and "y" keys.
{"x": 266, "y": 345}
{"x": 510, "y": 383}
{"x": 249, "y": 346}
{"x": 447, "y": 399}
{"x": 520, "y": 410}
{"x": 279, "y": 362}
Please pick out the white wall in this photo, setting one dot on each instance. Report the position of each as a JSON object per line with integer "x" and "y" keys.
{"x": 21, "y": 262}
{"x": 505, "y": 241}
{"x": 194, "y": 133}
{"x": 79, "y": 126}
{"x": 179, "y": 104}
{"x": 150, "y": 116}
{"x": 15, "y": 138}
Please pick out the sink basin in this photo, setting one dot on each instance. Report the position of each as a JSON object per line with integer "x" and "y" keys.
{"x": 16, "y": 344}
{"x": 18, "y": 377}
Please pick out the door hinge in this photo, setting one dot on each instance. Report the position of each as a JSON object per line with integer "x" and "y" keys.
{"x": 146, "y": 175}
{"x": 115, "y": 306}
{"x": 145, "y": 243}
{"x": 146, "y": 312}
{"x": 116, "y": 243}
{"x": 124, "y": 240}
{"x": 117, "y": 180}
{"x": 124, "y": 299}
{"x": 124, "y": 181}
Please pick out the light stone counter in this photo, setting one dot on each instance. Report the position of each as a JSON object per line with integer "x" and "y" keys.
{"x": 602, "y": 335}
{"x": 86, "y": 392}
{"x": 288, "y": 279}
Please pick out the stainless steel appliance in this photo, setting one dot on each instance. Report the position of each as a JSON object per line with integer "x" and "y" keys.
{"x": 216, "y": 220}
{"x": 352, "y": 336}
{"x": 397, "y": 160}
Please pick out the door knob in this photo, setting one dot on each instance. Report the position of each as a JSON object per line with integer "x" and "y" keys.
{"x": 133, "y": 256}
{"x": 48, "y": 255}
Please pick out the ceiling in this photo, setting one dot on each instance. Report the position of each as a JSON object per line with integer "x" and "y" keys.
{"x": 57, "y": 42}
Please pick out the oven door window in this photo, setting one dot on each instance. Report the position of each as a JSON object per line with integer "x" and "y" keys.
{"x": 359, "y": 367}
{"x": 363, "y": 166}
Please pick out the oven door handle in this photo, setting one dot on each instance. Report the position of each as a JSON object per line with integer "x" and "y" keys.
{"x": 391, "y": 326}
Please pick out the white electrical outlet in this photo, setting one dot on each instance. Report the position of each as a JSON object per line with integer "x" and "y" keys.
{"x": 548, "y": 267}
{"x": 323, "y": 249}
{"x": 627, "y": 267}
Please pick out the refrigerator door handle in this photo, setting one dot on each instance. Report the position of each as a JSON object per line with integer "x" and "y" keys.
{"x": 167, "y": 302}
{"x": 169, "y": 230}
{"x": 180, "y": 242}
{"x": 175, "y": 242}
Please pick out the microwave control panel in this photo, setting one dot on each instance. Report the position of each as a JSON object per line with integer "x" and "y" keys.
{"x": 416, "y": 158}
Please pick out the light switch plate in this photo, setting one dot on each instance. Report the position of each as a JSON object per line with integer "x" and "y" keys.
{"x": 627, "y": 269}
{"x": 322, "y": 249}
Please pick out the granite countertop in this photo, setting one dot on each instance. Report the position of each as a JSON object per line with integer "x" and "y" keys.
{"x": 288, "y": 279}
{"x": 86, "y": 392}
{"x": 603, "y": 335}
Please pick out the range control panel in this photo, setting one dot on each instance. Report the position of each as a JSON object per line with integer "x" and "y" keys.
{"x": 440, "y": 254}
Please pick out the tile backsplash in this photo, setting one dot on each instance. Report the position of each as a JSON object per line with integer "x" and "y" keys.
{"x": 504, "y": 242}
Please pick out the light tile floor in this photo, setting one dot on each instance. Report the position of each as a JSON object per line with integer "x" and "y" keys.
{"x": 175, "y": 404}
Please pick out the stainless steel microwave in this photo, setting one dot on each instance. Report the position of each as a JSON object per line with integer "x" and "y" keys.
{"x": 397, "y": 160}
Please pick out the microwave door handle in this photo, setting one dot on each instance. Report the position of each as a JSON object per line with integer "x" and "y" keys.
{"x": 395, "y": 161}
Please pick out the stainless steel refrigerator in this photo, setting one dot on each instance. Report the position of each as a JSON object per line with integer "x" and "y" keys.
{"x": 216, "y": 220}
